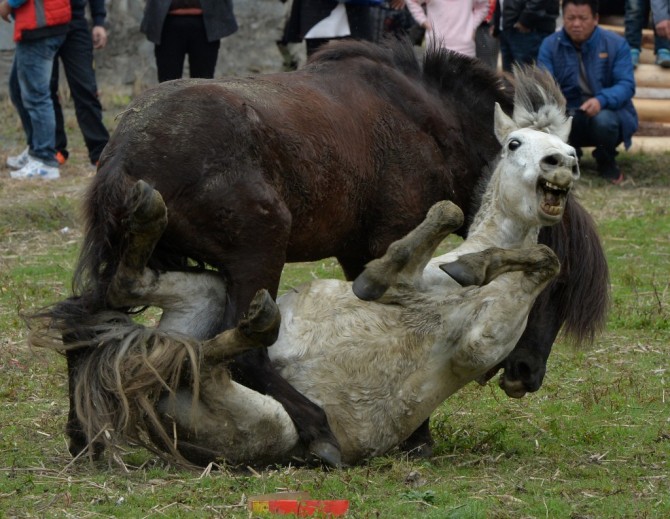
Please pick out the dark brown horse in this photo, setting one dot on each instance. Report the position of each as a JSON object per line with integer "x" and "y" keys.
{"x": 338, "y": 159}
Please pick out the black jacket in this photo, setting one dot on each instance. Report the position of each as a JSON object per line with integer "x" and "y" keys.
{"x": 217, "y": 14}
{"x": 536, "y": 15}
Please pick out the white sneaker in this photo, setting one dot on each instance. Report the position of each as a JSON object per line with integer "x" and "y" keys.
{"x": 36, "y": 169}
{"x": 18, "y": 161}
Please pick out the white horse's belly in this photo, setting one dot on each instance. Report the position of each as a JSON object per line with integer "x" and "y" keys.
{"x": 358, "y": 363}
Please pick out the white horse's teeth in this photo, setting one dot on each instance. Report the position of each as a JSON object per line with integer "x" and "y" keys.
{"x": 549, "y": 185}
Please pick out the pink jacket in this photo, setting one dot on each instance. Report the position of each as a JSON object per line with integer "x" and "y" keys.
{"x": 453, "y": 22}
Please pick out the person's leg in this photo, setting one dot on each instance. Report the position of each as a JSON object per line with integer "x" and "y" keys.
{"x": 506, "y": 51}
{"x": 602, "y": 131}
{"x": 202, "y": 54}
{"x": 605, "y": 132}
{"x": 77, "y": 56}
{"x": 524, "y": 46}
{"x": 662, "y": 46}
{"x": 487, "y": 47}
{"x": 634, "y": 22}
{"x": 17, "y": 101}
{"x": 361, "y": 22}
{"x": 61, "y": 136}
{"x": 34, "y": 64}
{"x": 171, "y": 52}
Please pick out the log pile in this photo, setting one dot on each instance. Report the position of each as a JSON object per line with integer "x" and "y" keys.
{"x": 652, "y": 96}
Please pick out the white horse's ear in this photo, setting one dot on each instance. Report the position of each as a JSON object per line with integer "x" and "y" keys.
{"x": 563, "y": 132}
{"x": 503, "y": 124}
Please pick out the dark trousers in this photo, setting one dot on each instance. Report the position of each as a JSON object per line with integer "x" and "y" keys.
{"x": 519, "y": 47}
{"x": 602, "y": 131}
{"x": 76, "y": 53}
{"x": 185, "y": 35}
{"x": 636, "y": 19}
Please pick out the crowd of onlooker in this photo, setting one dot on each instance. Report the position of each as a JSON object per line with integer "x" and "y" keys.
{"x": 593, "y": 66}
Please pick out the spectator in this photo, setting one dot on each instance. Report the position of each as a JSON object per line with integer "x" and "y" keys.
{"x": 521, "y": 26}
{"x": 636, "y": 19}
{"x": 319, "y": 21}
{"x": 76, "y": 53}
{"x": 399, "y": 23}
{"x": 448, "y": 24}
{"x": 595, "y": 73}
{"x": 39, "y": 31}
{"x": 661, "y": 14}
{"x": 487, "y": 47}
{"x": 187, "y": 27}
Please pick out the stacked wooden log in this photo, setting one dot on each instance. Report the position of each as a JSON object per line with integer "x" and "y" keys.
{"x": 652, "y": 95}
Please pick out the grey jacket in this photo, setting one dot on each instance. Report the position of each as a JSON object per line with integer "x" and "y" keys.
{"x": 217, "y": 14}
{"x": 660, "y": 10}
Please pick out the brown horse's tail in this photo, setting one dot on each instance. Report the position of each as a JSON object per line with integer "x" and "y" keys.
{"x": 126, "y": 368}
{"x": 582, "y": 290}
{"x": 106, "y": 209}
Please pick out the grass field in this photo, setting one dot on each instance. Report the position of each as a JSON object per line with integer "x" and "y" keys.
{"x": 593, "y": 442}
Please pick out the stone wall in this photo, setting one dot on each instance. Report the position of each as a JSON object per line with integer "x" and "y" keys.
{"x": 128, "y": 59}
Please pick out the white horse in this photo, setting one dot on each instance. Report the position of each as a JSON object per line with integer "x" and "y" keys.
{"x": 377, "y": 368}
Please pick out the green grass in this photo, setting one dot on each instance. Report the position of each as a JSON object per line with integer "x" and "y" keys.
{"x": 594, "y": 442}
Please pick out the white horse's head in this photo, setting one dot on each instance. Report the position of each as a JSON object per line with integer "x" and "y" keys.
{"x": 536, "y": 167}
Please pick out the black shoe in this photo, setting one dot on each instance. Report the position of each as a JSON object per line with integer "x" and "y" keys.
{"x": 610, "y": 171}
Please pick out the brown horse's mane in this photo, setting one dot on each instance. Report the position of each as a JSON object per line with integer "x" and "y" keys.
{"x": 537, "y": 103}
{"x": 473, "y": 83}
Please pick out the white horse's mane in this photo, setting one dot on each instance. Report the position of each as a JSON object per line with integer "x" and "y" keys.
{"x": 538, "y": 100}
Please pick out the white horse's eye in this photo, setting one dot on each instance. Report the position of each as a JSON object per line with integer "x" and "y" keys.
{"x": 514, "y": 144}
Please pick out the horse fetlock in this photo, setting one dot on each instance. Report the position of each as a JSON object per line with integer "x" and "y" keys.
{"x": 327, "y": 452}
{"x": 263, "y": 320}
{"x": 79, "y": 443}
{"x": 470, "y": 269}
{"x": 547, "y": 262}
{"x": 146, "y": 204}
{"x": 447, "y": 214}
{"x": 381, "y": 273}
{"x": 369, "y": 287}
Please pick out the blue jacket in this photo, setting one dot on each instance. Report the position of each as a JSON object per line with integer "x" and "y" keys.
{"x": 609, "y": 72}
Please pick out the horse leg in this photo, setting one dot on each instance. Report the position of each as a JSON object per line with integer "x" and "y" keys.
{"x": 420, "y": 443}
{"x": 480, "y": 268}
{"x": 406, "y": 258}
{"x": 193, "y": 303}
{"x": 512, "y": 298}
{"x": 259, "y": 328}
{"x": 256, "y": 262}
{"x": 145, "y": 225}
{"x": 404, "y": 261}
{"x": 254, "y": 370}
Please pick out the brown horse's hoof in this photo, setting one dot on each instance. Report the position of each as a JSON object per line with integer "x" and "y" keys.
{"x": 328, "y": 453}
{"x": 420, "y": 452}
{"x": 76, "y": 447}
{"x": 147, "y": 206}
{"x": 263, "y": 320}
